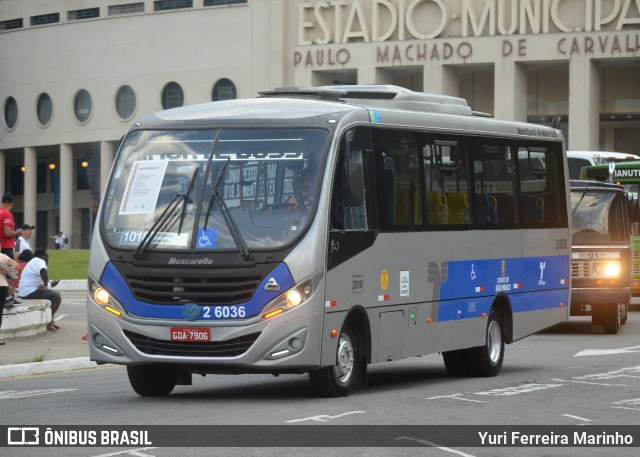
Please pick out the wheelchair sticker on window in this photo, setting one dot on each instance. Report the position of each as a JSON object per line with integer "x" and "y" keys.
{"x": 206, "y": 238}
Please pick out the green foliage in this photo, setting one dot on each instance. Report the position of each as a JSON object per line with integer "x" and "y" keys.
{"x": 68, "y": 263}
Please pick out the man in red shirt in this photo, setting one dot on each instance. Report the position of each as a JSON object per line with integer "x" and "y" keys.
{"x": 8, "y": 235}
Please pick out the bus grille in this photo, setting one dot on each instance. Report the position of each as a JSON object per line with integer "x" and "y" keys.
{"x": 579, "y": 269}
{"x": 229, "y": 348}
{"x": 636, "y": 269}
{"x": 205, "y": 287}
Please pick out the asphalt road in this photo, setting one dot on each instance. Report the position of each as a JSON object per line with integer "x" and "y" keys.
{"x": 571, "y": 375}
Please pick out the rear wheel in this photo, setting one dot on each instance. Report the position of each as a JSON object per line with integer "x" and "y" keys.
{"x": 153, "y": 380}
{"x": 339, "y": 380}
{"x": 482, "y": 360}
{"x": 487, "y": 360}
{"x": 611, "y": 318}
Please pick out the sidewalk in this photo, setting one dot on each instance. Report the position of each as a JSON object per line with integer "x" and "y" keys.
{"x": 48, "y": 352}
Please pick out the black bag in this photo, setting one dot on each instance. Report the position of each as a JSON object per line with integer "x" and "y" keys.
{"x": 66, "y": 240}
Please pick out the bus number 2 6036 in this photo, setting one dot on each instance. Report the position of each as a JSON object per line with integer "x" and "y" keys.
{"x": 224, "y": 312}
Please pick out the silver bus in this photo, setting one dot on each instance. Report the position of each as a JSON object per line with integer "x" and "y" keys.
{"x": 320, "y": 230}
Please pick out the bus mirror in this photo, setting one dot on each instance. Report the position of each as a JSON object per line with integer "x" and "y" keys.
{"x": 354, "y": 185}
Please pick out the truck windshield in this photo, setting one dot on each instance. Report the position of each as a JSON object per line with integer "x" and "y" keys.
{"x": 597, "y": 219}
{"x": 227, "y": 189}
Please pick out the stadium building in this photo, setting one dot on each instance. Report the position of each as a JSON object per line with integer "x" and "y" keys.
{"x": 75, "y": 74}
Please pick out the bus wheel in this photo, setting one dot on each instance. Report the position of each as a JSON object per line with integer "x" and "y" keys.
{"x": 456, "y": 363}
{"x": 153, "y": 380}
{"x": 340, "y": 379}
{"x": 611, "y": 319}
{"x": 487, "y": 360}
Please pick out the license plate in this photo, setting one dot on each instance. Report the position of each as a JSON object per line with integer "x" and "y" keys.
{"x": 191, "y": 334}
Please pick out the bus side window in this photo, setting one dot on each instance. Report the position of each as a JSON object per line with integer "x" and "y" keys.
{"x": 348, "y": 196}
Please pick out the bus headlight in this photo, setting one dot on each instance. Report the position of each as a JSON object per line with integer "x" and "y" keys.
{"x": 294, "y": 297}
{"x": 103, "y": 298}
{"x": 607, "y": 269}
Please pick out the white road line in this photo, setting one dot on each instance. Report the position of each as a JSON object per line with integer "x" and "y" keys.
{"x": 61, "y": 316}
{"x": 625, "y": 407}
{"x": 437, "y": 446}
{"x": 324, "y": 417}
{"x": 587, "y": 382}
{"x": 12, "y": 394}
{"x": 454, "y": 397}
{"x": 577, "y": 417}
{"x": 129, "y": 452}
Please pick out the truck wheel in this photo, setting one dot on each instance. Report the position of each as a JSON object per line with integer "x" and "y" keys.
{"x": 625, "y": 314}
{"x": 339, "y": 380}
{"x": 611, "y": 318}
{"x": 154, "y": 380}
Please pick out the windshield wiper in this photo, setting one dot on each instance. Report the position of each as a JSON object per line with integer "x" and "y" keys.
{"x": 231, "y": 224}
{"x": 580, "y": 201}
{"x": 186, "y": 201}
{"x": 165, "y": 221}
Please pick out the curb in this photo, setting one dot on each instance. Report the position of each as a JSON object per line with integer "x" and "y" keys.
{"x": 47, "y": 367}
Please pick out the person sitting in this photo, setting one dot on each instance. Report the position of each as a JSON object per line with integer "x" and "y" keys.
{"x": 34, "y": 283}
{"x": 24, "y": 258}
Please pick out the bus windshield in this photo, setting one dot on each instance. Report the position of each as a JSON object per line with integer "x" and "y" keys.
{"x": 596, "y": 220}
{"x": 219, "y": 189}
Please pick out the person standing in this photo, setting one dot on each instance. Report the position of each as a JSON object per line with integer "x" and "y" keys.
{"x": 34, "y": 283}
{"x": 59, "y": 240}
{"x": 8, "y": 266}
{"x": 8, "y": 236}
{"x": 22, "y": 243}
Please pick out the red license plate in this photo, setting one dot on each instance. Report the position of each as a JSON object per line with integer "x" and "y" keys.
{"x": 191, "y": 334}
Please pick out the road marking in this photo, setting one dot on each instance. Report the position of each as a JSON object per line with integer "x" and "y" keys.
{"x": 324, "y": 417}
{"x": 587, "y": 382}
{"x": 521, "y": 389}
{"x": 61, "y": 316}
{"x": 578, "y": 417}
{"x": 437, "y": 446}
{"x": 624, "y": 407}
{"x": 591, "y": 352}
{"x": 12, "y": 394}
{"x": 454, "y": 397}
{"x": 135, "y": 452}
{"x": 611, "y": 374}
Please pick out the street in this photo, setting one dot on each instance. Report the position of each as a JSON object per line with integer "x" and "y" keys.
{"x": 570, "y": 375}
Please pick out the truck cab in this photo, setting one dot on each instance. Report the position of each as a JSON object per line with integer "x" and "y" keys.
{"x": 601, "y": 253}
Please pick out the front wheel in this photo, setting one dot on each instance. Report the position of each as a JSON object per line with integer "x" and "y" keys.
{"x": 154, "y": 380}
{"x": 611, "y": 318}
{"x": 339, "y": 380}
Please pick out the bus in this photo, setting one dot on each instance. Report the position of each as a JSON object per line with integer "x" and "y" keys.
{"x": 318, "y": 230}
{"x": 579, "y": 159}
{"x": 601, "y": 253}
{"x": 626, "y": 174}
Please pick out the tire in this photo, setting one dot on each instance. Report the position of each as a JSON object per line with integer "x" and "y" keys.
{"x": 456, "y": 363}
{"x": 154, "y": 380}
{"x": 340, "y": 379}
{"x": 611, "y": 319}
{"x": 486, "y": 361}
{"x": 625, "y": 315}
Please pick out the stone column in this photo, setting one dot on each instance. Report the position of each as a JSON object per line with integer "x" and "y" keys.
{"x": 584, "y": 101}
{"x": 441, "y": 79}
{"x": 510, "y": 91}
{"x": 66, "y": 190}
{"x": 30, "y": 186}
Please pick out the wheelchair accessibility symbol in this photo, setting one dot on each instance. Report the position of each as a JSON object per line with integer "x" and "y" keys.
{"x": 207, "y": 238}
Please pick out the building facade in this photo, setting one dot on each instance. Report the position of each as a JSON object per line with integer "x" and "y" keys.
{"x": 75, "y": 74}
